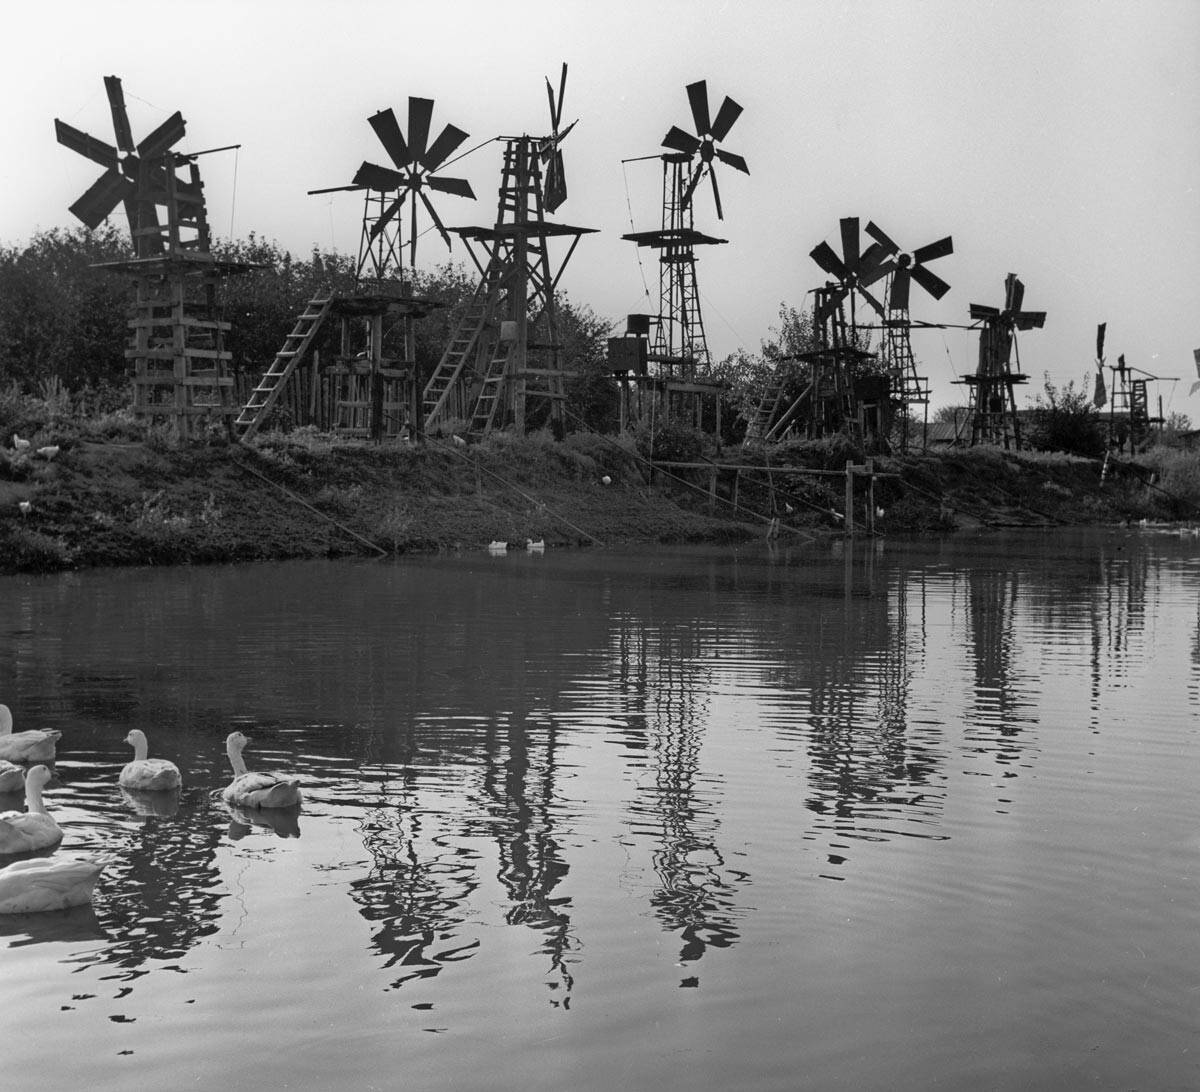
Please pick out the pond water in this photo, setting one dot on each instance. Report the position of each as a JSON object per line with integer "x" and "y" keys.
{"x": 854, "y": 816}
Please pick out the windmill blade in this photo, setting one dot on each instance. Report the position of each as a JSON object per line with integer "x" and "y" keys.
{"x": 116, "y": 103}
{"x": 898, "y": 296}
{"x": 716, "y": 193}
{"x": 1100, "y": 341}
{"x": 442, "y": 148}
{"x": 879, "y": 271}
{"x": 872, "y": 301}
{"x": 873, "y": 263}
{"x": 378, "y": 178}
{"x": 101, "y": 197}
{"x": 734, "y": 160}
{"x": 850, "y": 254}
{"x": 982, "y": 311}
{"x": 930, "y": 251}
{"x": 553, "y": 113}
{"x": 691, "y": 187}
{"x": 877, "y": 233}
{"x": 460, "y": 187}
{"x": 167, "y": 134}
{"x": 437, "y": 220}
{"x": 555, "y": 190}
{"x": 420, "y": 114}
{"x": 729, "y": 113}
{"x": 680, "y": 141}
{"x": 697, "y": 94}
{"x": 1029, "y": 320}
{"x": 930, "y": 281}
{"x": 1014, "y": 294}
{"x": 412, "y": 232}
{"x": 826, "y": 257}
{"x": 95, "y": 150}
{"x": 387, "y": 215}
{"x": 388, "y": 130}
{"x": 556, "y": 110}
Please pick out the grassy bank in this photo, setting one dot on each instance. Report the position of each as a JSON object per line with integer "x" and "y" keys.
{"x": 117, "y": 494}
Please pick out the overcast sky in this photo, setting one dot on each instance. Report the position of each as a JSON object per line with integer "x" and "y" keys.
{"x": 1058, "y": 141}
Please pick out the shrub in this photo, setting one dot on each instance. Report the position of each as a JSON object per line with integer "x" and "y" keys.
{"x": 1064, "y": 419}
{"x": 672, "y": 441}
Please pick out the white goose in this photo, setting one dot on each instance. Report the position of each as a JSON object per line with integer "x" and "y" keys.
{"x": 12, "y": 777}
{"x": 47, "y": 883}
{"x": 31, "y": 746}
{"x": 255, "y": 790}
{"x": 148, "y": 774}
{"x": 27, "y": 831}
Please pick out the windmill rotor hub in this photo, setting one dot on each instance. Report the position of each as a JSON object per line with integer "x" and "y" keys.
{"x": 903, "y": 261}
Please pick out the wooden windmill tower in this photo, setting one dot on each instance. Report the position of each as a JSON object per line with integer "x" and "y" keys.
{"x": 993, "y": 403}
{"x": 179, "y": 362}
{"x": 909, "y": 389}
{"x": 838, "y": 395}
{"x": 679, "y": 348}
{"x": 375, "y": 393}
{"x": 504, "y": 357}
{"x": 1129, "y": 416}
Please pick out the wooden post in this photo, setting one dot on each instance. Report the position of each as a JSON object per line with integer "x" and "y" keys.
{"x": 870, "y": 496}
{"x": 312, "y": 392}
{"x": 712, "y": 491}
{"x": 849, "y": 518}
{"x": 376, "y": 380}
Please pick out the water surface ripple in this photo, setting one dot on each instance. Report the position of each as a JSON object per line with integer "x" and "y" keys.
{"x": 870, "y": 816}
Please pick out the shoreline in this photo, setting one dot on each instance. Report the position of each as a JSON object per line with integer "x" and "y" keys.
{"x": 147, "y": 502}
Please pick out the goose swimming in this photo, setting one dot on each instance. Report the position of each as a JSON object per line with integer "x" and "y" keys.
{"x": 12, "y": 777}
{"x": 31, "y": 746}
{"x": 48, "y": 883}
{"x": 148, "y": 774}
{"x": 256, "y": 790}
{"x": 27, "y": 831}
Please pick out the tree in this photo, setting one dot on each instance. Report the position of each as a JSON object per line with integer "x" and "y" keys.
{"x": 61, "y": 316}
{"x": 1065, "y": 419}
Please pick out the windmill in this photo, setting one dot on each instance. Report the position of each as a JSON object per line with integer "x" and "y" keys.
{"x": 680, "y": 349}
{"x": 505, "y": 351}
{"x": 1129, "y": 400}
{"x": 415, "y": 163}
{"x": 177, "y": 349}
{"x": 840, "y": 395}
{"x": 993, "y": 404}
{"x": 139, "y": 176}
{"x": 701, "y": 149}
{"x": 550, "y": 149}
{"x": 853, "y": 271}
{"x": 904, "y": 267}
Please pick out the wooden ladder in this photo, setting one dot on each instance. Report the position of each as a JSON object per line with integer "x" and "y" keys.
{"x": 491, "y": 392}
{"x": 768, "y": 406}
{"x": 463, "y": 343}
{"x": 298, "y": 342}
